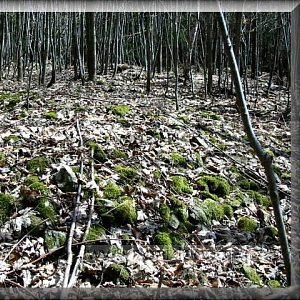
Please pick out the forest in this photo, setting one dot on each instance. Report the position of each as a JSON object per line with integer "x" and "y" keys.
{"x": 145, "y": 150}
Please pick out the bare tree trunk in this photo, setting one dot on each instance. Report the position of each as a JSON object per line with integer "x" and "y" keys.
{"x": 264, "y": 158}
{"x": 148, "y": 52}
{"x": 91, "y": 45}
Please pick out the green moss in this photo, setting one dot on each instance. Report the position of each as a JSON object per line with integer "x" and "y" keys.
{"x": 277, "y": 170}
{"x": 246, "y": 184}
{"x": 202, "y": 185}
{"x": 2, "y": 159}
{"x": 37, "y": 225}
{"x": 186, "y": 227}
{"x": 163, "y": 239}
{"x": 271, "y": 231}
{"x": 259, "y": 198}
{"x": 212, "y": 139}
{"x": 228, "y": 210}
{"x": 54, "y": 239}
{"x": 51, "y": 115}
{"x": 120, "y": 110}
{"x": 221, "y": 146}
{"x": 165, "y": 212}
{"x": 37, "y": 163}
{"x": 210, "y": 115}
{"x": 217, "y": 185}
{"x": 99, "y": 154}
{"x": 179, "y": 208}
{"x": 126, "y": 173}
{"x": 247, "y": 224}
{"x": 80, "y": 108}
{"x": 234, "y": 169}
{"x": 31, "y": 179}
{"x": 100, "y": 82}
{"x": 117, "y": 274}
{"x": 118, "y": 154}
{"x": 251, "y": 274}
{"x": 124, "y": 122}
{"x": 176, "y": 239}
{"x": 156, "y": 174}
{"x": 125, "y": 211}
{"x": 185, "y": 119}
{"x": 112, "y": 191}
{"x": 274, "y": 284}
{"x": 199, "y": 159}
{"x": 95, "y": 232}
{"x": 286, "y": 176}
{"x": 179, "y": 159}
{"x": 46, "y": 209}
{"x": 270, "y": 153}
{"x": 10, "y": 139}
{"x": 206, "y": 195}
{"x": 180, "y": 185}
{"x": 39, "y": 187}
{"x": 6, "y": 207}
{"x": 106, "y": 137}
{"x": 212, "y": 210}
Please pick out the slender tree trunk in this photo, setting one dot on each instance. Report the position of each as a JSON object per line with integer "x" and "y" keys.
{"x": 264, "y": 158}
{"x": 91, "y": 45}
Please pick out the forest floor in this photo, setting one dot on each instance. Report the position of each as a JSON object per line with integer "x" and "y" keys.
{"x": 204, "y": 137}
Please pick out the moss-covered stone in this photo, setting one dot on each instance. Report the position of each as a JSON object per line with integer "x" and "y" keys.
{"x": 205, "y": 195}
{"x": 51, "y": 115}
{"x": 112, "y": 191}
{"x": 125, "y": 211}
{"x": 179, "y": 159}
{"x": 247, "y": 224}
{"x": 126, "y": 173}
{"x": 99, "y": 153}
{"x": 10, "y": 139}
{"x": 271, "y": 231}
{"x": 186, "y": 227}
{"x": 46, "y": 209}
{"x": 180, "y": 185}
{"x": 163, "y": 239}
{"x": 202, "y": 185}
{"x": 212, "y": 210}
{"x": 259, "y": 198}
{"x": 247, "y": 184}
{"x": 117, "y": 274}
{"x": 179, "y": 208}
{"x": 251, "y": 274}
{"x": 217, "y": 185}
{"x": 176, "y": 239}
{"x": 228, "y": 210}
{"x": 6, "y": 207}
{"x": 120, "y": 110}
{"x": 37, "y": 164}
{"x": 31, "y": 179}
{"x": 54, "y": 239}
{"x": 165, "y": 212}
{"x": 37, "y": 226}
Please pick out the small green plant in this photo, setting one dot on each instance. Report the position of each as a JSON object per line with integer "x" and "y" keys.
{"x": 10, "y": 139}
{"x": 80, "y": 108}
{"x": 51, "y": 115}
{"x": 163, "y": 239}
{"x": 286, "y": 176}
{"x": 180, "y": 185}
{"x": 185, "y": 119}
{"x": 277, "y": 170}
{"x": 251, "y": 274}
{"x": 179, "y": 159}
{"x": 270, "y": 153}
{"x": 125, "y": 211}
{"x": 212, "y": 139}
{"x": 31, "y": 179}
{"x": 221, "y": 146}
{"x": 2, "y": 159}
{"x": 100, "y": 82}
{"x": 37, "y": 163}
{"x": 37, "y": 226}
{"x": 112, "y": 191}
{"x": 210, "y": 115}
{"x": 259, "y": 198}
{"x": 120, "y": 110}
{"x": 199, "y": 159}
{"x": 247, "y": 224}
